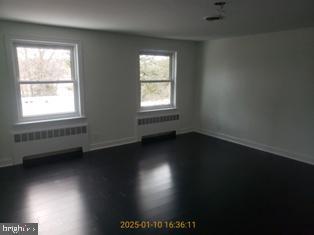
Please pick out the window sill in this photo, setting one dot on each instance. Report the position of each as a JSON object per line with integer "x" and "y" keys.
{"x": 70, "y": 121}
{"x": 144, "y": 111}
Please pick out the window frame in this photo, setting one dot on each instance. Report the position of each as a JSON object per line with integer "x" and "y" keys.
{"x": 172, "y": 80}
{"x": 74, "y": 48}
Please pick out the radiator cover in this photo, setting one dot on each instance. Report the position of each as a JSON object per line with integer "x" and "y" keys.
{"x": 157, "y": 119}
{"x": 50, "y": 133}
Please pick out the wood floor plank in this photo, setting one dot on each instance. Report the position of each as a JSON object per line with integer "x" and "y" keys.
{"x": 224, "y": 187}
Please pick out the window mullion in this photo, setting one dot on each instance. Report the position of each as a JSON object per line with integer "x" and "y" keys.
{"x": 45, "y": 82}
{"x": 154, "y": 81}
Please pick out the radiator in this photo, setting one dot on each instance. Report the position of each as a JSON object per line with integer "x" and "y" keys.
{"x": 157, "y": 119}
{"x": 50, "y": 133}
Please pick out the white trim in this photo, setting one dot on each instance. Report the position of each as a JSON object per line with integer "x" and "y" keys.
{"x": 172, "y": 80}
{"x": 156, "y": 108}
{"x": 185, "y": 131}
{"x": 263, "y": 147}
{"x": 5, "y": 163}
{"x": 76, "y": 64}
{"x": 112, "y": 143}
{"x": 155, "y": 81}
{"x": 52, "y": 121}
{"x": 127, "y": 140}
{"x": 153, "y": 111}
{"x": 46, "y": 82}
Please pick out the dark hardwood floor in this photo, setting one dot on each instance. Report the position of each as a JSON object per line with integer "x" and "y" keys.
{"x": 224, "y": 187}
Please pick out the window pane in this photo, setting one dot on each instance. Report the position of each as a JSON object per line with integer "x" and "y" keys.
{"x": 43, "y": 64}
{"x": 155, "y": 94}
{"x": 51, "y": 98}
{"x": 154, "y": 67}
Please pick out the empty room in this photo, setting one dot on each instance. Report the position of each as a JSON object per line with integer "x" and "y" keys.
{"x": 157, "y": 117}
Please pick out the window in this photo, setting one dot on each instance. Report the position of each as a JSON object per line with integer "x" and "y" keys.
{"x": 47, "y": 82}
{"x": 157, "y": 80}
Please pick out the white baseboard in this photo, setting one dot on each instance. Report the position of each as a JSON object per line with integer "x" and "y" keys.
{"x": 266, "y": 148}
{"x": 127, "y": 140}
{"x": 6, "y": 162}
{"x": 185, "y": 131}
{"x": 113, "y": 143}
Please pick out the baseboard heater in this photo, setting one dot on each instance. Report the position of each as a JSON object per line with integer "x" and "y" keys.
{"x": 52, "y": 157}
{"x": 158, "y": 137}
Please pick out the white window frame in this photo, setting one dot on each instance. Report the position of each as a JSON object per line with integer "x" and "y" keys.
{"x": 172, "y": 80}
{"x": 74, "y": 47}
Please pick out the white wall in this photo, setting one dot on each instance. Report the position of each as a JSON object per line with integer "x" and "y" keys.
{"x": 110, "y": 63}
{"x": 256, "y": 90}
{"x": 259, "y": 91}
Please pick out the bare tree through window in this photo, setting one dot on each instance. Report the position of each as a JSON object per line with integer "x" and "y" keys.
{"x": 156, "y": 80}
{"x": 46, "y": 80}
